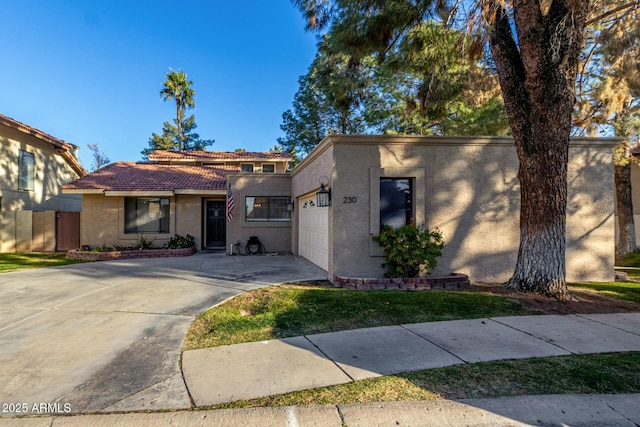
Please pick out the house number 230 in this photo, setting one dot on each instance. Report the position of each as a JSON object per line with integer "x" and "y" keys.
{"x": 350, "y": 199}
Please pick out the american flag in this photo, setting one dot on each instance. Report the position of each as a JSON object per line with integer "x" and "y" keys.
{"x": 230, "y": 204}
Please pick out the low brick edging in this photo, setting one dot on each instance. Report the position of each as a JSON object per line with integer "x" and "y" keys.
{"x": 130, "y": 254}
{"x": 453, "y": 281}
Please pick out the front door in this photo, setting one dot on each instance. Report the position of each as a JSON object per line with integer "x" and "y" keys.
{"x": 216, "y": 224}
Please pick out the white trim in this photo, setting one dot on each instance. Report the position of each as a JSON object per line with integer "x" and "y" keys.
{"x": 203, "y": 192}
{"x": 82, "y": 191}
{"x": 139, "y": 193}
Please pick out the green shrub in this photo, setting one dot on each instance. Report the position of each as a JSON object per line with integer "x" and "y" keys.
{"x": 409, "y": 249}
{"x": 143, "y": 243}
{"x": 179, "y": 242}
{"x": 119, "y": 246}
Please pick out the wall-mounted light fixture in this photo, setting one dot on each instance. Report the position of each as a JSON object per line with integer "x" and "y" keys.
{"x": 290, "y": 205}
{"x": 323, "y": 196}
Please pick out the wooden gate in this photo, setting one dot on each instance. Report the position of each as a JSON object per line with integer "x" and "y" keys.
{"x": 67, "y": 230}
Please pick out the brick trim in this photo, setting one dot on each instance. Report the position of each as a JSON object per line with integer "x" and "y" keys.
{"x": 453, "y": 281}
{"x": 132, "y": 254}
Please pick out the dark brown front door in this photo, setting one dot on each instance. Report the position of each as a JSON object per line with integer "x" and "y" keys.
{"x": 216, "y": 224}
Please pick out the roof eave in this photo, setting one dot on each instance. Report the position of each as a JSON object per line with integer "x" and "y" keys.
{"x": 195, "y": 192}
{"x": 82, "y": 190}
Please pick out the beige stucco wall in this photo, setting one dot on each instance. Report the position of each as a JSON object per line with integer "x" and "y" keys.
{"x": 276, "y": 236}
{"x": 468, "y": 188}
{"x": 188, "y": 216}
{"x": 102, "y": 220}
{"x": 590, "y": 211}
{"x": 635, "y": 198}
{"x": 99, "y": 220}
{"x": 51, "y": 171}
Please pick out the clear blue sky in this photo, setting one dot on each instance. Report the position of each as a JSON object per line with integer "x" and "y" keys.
{"x": 90, "y": 72}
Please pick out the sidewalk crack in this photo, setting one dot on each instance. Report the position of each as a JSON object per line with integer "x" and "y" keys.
{"x": 431, "y": 342}
{"x": 328, "y": 358}
{"x": 620, "y": 413}
{"x": 341, "y": 415}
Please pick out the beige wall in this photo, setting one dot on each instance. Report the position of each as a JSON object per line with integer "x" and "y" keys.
{"x": 276, "y": 236}
{"x": 635, "y": 199}
{"x": 468, "y": 188}
{"x": 51, "y": 171}
{"x": 188, "y": 216}
{"x": 102, "y": 220}
{"x": 590, "y": 212}
{"x": 99, "y": 220}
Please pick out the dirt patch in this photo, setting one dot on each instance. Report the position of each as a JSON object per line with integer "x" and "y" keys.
{"x": 586, "y": 301}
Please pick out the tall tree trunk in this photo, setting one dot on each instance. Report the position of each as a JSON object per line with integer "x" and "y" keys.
{"x": 179, "y": 115}
{"x": 537, "y": 78}
{"x": 624, "y": 205}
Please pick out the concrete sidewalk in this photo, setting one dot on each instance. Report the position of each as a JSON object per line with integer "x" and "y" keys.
{"x": 243, "y": 371}
{"x": 252, "y": 370}
{"x": 556, "y": 410}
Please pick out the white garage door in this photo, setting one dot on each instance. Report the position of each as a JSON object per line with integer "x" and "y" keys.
{"x": 313, "y": 232}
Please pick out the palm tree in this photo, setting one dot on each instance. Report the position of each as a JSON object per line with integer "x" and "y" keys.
{"x": 178, "y": 88}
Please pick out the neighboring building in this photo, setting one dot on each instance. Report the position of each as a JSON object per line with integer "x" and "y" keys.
{"x": 33, "y": 166}
{"x": 176, "y": 193}
{"x": 465, "y": 186}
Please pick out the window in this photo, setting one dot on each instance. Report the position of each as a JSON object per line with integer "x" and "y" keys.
{"x": 395, "y": 201}
{"x": 267, "y": 209}
{"x": 246, "y": 167}
{"x": 146, "y": 215}
{"x": 27, "y": 167}
{"x": 268, "y": 168}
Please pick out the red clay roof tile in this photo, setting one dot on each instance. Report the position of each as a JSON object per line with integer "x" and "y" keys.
{"x": 129, "y": 176}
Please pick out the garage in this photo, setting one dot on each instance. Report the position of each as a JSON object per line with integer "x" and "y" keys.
{"x": 313, "y": 232}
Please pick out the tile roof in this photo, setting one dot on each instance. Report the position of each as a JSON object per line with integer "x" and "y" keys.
{"x": 140, "y": 177}
{"x": 216, "y": 155}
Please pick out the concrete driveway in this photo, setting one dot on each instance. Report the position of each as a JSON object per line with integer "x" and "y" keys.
{"x": 106, "y": 336}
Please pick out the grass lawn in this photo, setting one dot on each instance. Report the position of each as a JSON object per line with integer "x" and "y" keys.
{"x": 292, "y": 310}
{"x": 15, "y": 261}
{"x": 588, "y": 374}
{"x": 298, "y": 309}
{"x": 631, "y": 259}
{"x": 628, "y": 291}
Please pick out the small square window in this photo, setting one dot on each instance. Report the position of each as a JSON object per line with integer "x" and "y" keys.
{"x": 246, "y": 167}
{"x": 268, "y": 168}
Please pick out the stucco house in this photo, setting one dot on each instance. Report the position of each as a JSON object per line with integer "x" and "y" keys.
{"x": 465, "y": 186}
{"x": 173, "y": 193}
{"x": 33, "y": 167}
